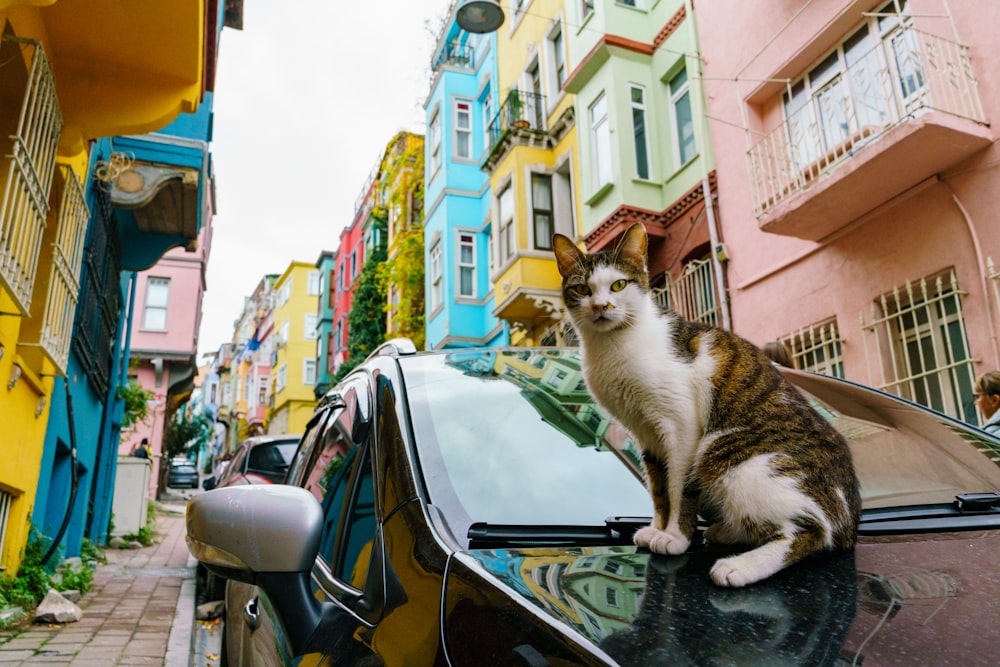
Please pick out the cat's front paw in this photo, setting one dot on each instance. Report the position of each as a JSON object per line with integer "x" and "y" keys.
{"x": 661, "y": 541}
{"x": 742, "y": 570}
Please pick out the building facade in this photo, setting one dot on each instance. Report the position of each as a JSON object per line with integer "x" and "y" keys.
{"x": 460, "y": 106}
{"x": 855, "y": 157}
{"x": 70, "y": 237}
{"x": 294, "y": 358}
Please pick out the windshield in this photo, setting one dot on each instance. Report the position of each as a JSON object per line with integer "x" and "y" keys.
{"x": 513, "y": 437}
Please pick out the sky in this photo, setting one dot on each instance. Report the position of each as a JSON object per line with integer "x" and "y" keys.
{"x": 307, "y": 95}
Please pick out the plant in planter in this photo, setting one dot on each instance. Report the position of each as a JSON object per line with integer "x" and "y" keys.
{"x": 515, "y": 105}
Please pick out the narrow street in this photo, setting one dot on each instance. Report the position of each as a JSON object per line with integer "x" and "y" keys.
{"x": 140, "y": 610}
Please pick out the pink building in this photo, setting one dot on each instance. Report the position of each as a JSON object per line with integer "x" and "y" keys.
{"x": 166, "y": 317}
{"x": 858, "y": 186}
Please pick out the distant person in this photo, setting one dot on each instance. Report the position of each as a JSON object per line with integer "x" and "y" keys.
{"x": 778, "y": 352}
{"x": 142, "y": 450}
{"x": 987, "y": 397}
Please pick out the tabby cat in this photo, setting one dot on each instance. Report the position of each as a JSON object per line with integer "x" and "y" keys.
{"x": 723, "y": 434}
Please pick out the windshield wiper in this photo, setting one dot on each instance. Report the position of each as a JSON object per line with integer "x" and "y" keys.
{"x": 483, "y": 535}
{"x": 969, "y": 511}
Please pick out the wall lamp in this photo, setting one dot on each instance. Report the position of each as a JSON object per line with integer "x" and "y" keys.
{"x": 479, "y": 16}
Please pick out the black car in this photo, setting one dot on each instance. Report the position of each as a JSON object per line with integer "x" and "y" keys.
{"x": 183, "y": 473}
{"x": 475, "y": 507}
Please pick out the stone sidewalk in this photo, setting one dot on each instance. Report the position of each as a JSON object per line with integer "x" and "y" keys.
{"x": 139, "y": 611}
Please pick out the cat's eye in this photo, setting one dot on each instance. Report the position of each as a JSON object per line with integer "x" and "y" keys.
{"x": 618, "y": 285}
{"x": 580, "y": 290}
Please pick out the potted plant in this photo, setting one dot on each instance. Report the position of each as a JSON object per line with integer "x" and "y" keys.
{"x": 515, "y": 106}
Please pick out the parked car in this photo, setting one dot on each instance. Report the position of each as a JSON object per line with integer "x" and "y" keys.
{"x": 261, "y": 459}
{"x": 475, "y": 507}
{"x": 183, "y": 473}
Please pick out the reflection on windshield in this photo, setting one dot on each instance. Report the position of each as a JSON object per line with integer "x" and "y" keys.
{"x": 653, "y": 610}
{"x": 513, "y": 437}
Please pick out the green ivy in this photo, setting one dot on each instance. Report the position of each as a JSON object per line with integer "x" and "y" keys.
{"x": 136, "y": 400}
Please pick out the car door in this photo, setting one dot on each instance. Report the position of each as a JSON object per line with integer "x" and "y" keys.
{"x": 336, "y": 468}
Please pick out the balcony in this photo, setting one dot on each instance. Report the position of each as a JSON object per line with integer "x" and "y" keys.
{"x": 454, "y": 54}
{"x": 521, "y": 119}
{"x": 907, "y": 110}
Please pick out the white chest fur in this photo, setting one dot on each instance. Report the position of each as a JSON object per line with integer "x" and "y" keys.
{"x": 660, "y": 395}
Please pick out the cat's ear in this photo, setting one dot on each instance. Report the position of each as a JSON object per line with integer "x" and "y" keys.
{"x": 632, "y": 247}
{"x": 568, "y": 256}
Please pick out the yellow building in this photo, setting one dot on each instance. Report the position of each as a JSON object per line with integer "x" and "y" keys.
{"x": 294, "y": 371}
{"x": 532, "y": 164}
{"x": 71, "y": 71}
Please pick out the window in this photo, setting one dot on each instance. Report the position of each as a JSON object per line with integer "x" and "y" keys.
{"x": 682, "y": 119}
{"x": 262, "y": 382}
{"x": 559, "y": 53}
{"x": 600, "y": 136}
{"x": 154, "y": 313}
{"x": 437, "y": 296}
{"x": 692, "y": 294}
{"x": 487, "y": 102}
{"x": 310, "y": 330}
{"x": 345, "y": 273}
{"x": 506, "y": 206}
{"x": 466, "y": 265}
{"x": 917, "y": 337}
{"x": 586, "y": 8}
{"x": 463, "y": 130}
{"x": 492, "y": 251}
{"x": 856, "y": 86}
{"x": 541, "y": 210}
{"x": 640, "y": 140}
{"x": 309, "y": 372}
{"x": 283, "y": 333}
{"x": 817, "y": 349}
{"x": 314, "y": 286}
{"x": 282, "y": 379}
{"x": 434, "y": 142}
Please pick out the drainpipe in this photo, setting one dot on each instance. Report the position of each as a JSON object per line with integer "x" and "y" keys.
{"x": 74, "y": 475}
{"x": 706, "y": 187}
{"x": 984, "y": 274}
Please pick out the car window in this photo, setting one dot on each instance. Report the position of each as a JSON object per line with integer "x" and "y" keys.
{"x": 359, "y": 529}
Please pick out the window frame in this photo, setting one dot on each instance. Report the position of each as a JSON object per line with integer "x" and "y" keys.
{"x": 469, "y": 267}
{"x": 462, "y": 135}
{"x": 147, "y": 308}
{"x": 678, "y": 97}
{"x": 436, "y": 276}
{"x": 641, "y": 109}
{"x": 600, "y": 137}
{"x": 538, "y": 212}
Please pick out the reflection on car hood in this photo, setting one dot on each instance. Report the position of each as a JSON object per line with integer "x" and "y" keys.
{"x": 929, "y": 599}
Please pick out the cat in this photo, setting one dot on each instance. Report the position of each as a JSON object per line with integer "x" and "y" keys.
{"x": 722, "y": 432}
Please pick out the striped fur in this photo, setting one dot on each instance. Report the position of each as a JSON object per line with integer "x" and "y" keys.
{"x": 723, "y": 434}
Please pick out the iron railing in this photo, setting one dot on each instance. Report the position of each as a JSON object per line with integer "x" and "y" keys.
{"x": 692, "y": 295}
{"x": 455, "y": 54}
{"x": 907, "y": 73}
{"x": 521, "y": 109}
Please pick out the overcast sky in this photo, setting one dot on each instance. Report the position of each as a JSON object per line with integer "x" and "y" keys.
{"x": 307, "y": 95}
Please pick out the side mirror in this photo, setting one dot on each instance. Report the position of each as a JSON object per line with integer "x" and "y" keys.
{"x": 208, "y": 483}
{"x": 267, "y": 536}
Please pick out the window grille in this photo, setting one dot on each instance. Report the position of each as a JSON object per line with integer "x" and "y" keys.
{"x": 916, "y": 346}
{"x": 817, "y": 349}
{"x": 25, "y": 202}
{"x": 99, "y": 307}
{"x": 63, "y": 286}
{"x": 560, "y": 334}
{"x": 692, "y": 295}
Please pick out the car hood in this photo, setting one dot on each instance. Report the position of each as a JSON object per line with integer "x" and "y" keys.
{"x": 928, "y": 599}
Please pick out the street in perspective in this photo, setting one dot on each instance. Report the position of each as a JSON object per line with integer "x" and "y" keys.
{"x": 490, "y": 332}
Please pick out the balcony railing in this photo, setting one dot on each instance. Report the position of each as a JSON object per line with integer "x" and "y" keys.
{"x": 456, "y": 55}
{"x": 903, "y": 76}
{"x": 521, "y": 109}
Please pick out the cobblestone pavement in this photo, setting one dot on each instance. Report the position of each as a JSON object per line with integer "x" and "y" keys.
{"x": 139, "y": 611}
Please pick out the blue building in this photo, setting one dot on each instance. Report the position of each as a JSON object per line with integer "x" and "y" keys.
{"x": 457, "y": 232}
